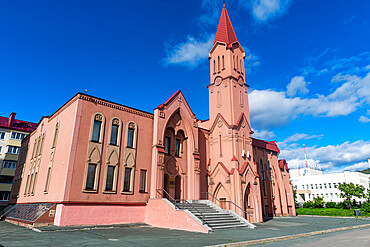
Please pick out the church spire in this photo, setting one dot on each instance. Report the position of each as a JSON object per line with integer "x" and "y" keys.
{"x": 225, "y": 31}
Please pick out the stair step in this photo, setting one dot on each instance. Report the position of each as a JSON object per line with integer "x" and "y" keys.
{"x": 228, "y": 227}
{"x": 231, "y": 223}
{"x": 216, "y": 220}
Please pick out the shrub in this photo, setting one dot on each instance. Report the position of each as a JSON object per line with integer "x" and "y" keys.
{"x": 366, "y": 207}
{"x": 339, "y": 205}
{"x": 308, "y": 204}
{"x": 330, "y": 205}
{"x": 318, "y": 202}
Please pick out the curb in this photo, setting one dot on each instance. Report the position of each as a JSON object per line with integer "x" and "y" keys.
{"x": 269, "y": 240}
{"x": 343, "y": 217}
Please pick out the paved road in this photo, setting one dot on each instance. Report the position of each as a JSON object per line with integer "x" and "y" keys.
{"x": 144, "y": 235}
{"x": 355, "y": 238}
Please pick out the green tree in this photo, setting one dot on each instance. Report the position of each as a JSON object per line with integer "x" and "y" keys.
{"x": 350, "y": 190}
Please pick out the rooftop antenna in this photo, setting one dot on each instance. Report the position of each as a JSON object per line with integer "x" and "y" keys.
{"x": 305, "y": 157}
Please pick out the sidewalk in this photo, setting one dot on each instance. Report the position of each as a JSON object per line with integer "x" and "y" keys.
{"x": 144, "y": 235}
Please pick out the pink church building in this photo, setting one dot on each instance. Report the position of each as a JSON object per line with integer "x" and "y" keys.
{"x": 98, "y": 162}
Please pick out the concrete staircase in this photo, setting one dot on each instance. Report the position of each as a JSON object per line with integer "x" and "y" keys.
{"x": 213, "y": 216}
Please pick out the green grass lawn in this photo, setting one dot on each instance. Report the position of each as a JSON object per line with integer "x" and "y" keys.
{"x": 329, "y": 212}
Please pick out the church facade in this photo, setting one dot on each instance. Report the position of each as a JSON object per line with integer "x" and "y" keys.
{"x": 98, "y": 162}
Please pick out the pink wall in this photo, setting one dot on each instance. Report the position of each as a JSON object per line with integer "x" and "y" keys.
{"x": 143, "y": 155}
{"x": 160, "y": 214}
{"x": 66, "y": 117}
{"x": 98, "y": 214}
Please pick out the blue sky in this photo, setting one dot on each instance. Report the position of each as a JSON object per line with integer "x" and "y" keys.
{"x": 308, "y": 64}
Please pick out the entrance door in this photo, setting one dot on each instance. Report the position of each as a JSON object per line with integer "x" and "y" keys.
{"x": 166, "y": 185}
{"x": 223, "y": 203}
{"x": 178, "y": 187}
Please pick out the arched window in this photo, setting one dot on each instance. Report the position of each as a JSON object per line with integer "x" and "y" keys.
{"x": 129, "y": 158}
{"x": 214, "y": 66}
{"x": 262, "y": 178}
{"x": 269, "y": 170}
{"x": 234, "y": 61}
{"x": 223, "y": 62}
{"x": 55, "y": 135}
{"x": 131, "y": 135}
{"x": 219, "y": 65}
{"x": 97, "y": 128}
{"x": 48, "y": 174}
{"x": 241, "y": 67}
{"x": 114, "y": 133}
{"x": 237, "y": 62}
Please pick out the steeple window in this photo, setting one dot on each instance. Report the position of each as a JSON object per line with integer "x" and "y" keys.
{"x": 214, "y": 66}
{"x": 219, "y": 65}
{"x": 223, "y": 62}
{"x": 237, "y": 63}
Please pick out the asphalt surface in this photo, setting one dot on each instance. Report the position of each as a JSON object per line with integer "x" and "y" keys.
{"x": 356, "y": 237}
{"x": 144, "y": 235}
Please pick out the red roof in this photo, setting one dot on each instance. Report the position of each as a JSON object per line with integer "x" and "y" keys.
{"x": 225, "y": 31}
{"x": 283, "y": 164}
{"x": 266, "y": 145}
{"x": 16, "y": 124}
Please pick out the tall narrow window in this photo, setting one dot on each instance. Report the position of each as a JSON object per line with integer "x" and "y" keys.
{"x": 47, "y": 179}
{"x": 127, "y": 179}
{"x": 55, "y": 135}
{"x": 177, "y": 147}
{"x": 167, "y": 144}
{"x": 220, "y": 145}
{"x": 269, "y": 169}
{"x": 110, "y": 178}
{"x": 214, "y": 66}
{"x": 90, "y": 181}
{"x": 241, "y": 67}
{"x": 142, "y": 181}
{"x": 96, "y": 131}
{"x": 114, "y": 134}
{"x": 241, "y": 98}
{"x": 130, "y": 137}
{"x": 223, "y": 62}
{"x": 236, "y": 62}
{"x": 219, "y": 65}
{"x": 262, "y": 178}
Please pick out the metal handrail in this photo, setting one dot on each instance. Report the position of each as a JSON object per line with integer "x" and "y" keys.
{"x": 176, "y": 206}
{"x": 249, "y": 215}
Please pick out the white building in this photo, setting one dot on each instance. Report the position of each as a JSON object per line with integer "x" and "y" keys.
{"x": 12, "y": 132}
{"x": 310, "y": 183}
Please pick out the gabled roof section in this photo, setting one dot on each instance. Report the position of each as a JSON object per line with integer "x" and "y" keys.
{"x": 283, "y": 164}
{"x": 266, "y": 145}
{"x": 170, "y": 100}
{"x": 225, "y": 31}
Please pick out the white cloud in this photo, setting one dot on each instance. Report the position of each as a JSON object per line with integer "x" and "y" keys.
{"x": 211, "y": 15}
{"x": 263, "y": 10}
{"x": 297, "y": 84}
{"x": 364, "y": 119}
{"x": 331, "y": 157}
{"x": 269, "y": 108}
{"x": 251, "y": 61}
{"x": 355, "y": 167}
{"x": 263, "y": 134}
{"x": 190, "y": 53}
{"x": 297, "y": 137}
{"x": 345, "y": 65}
